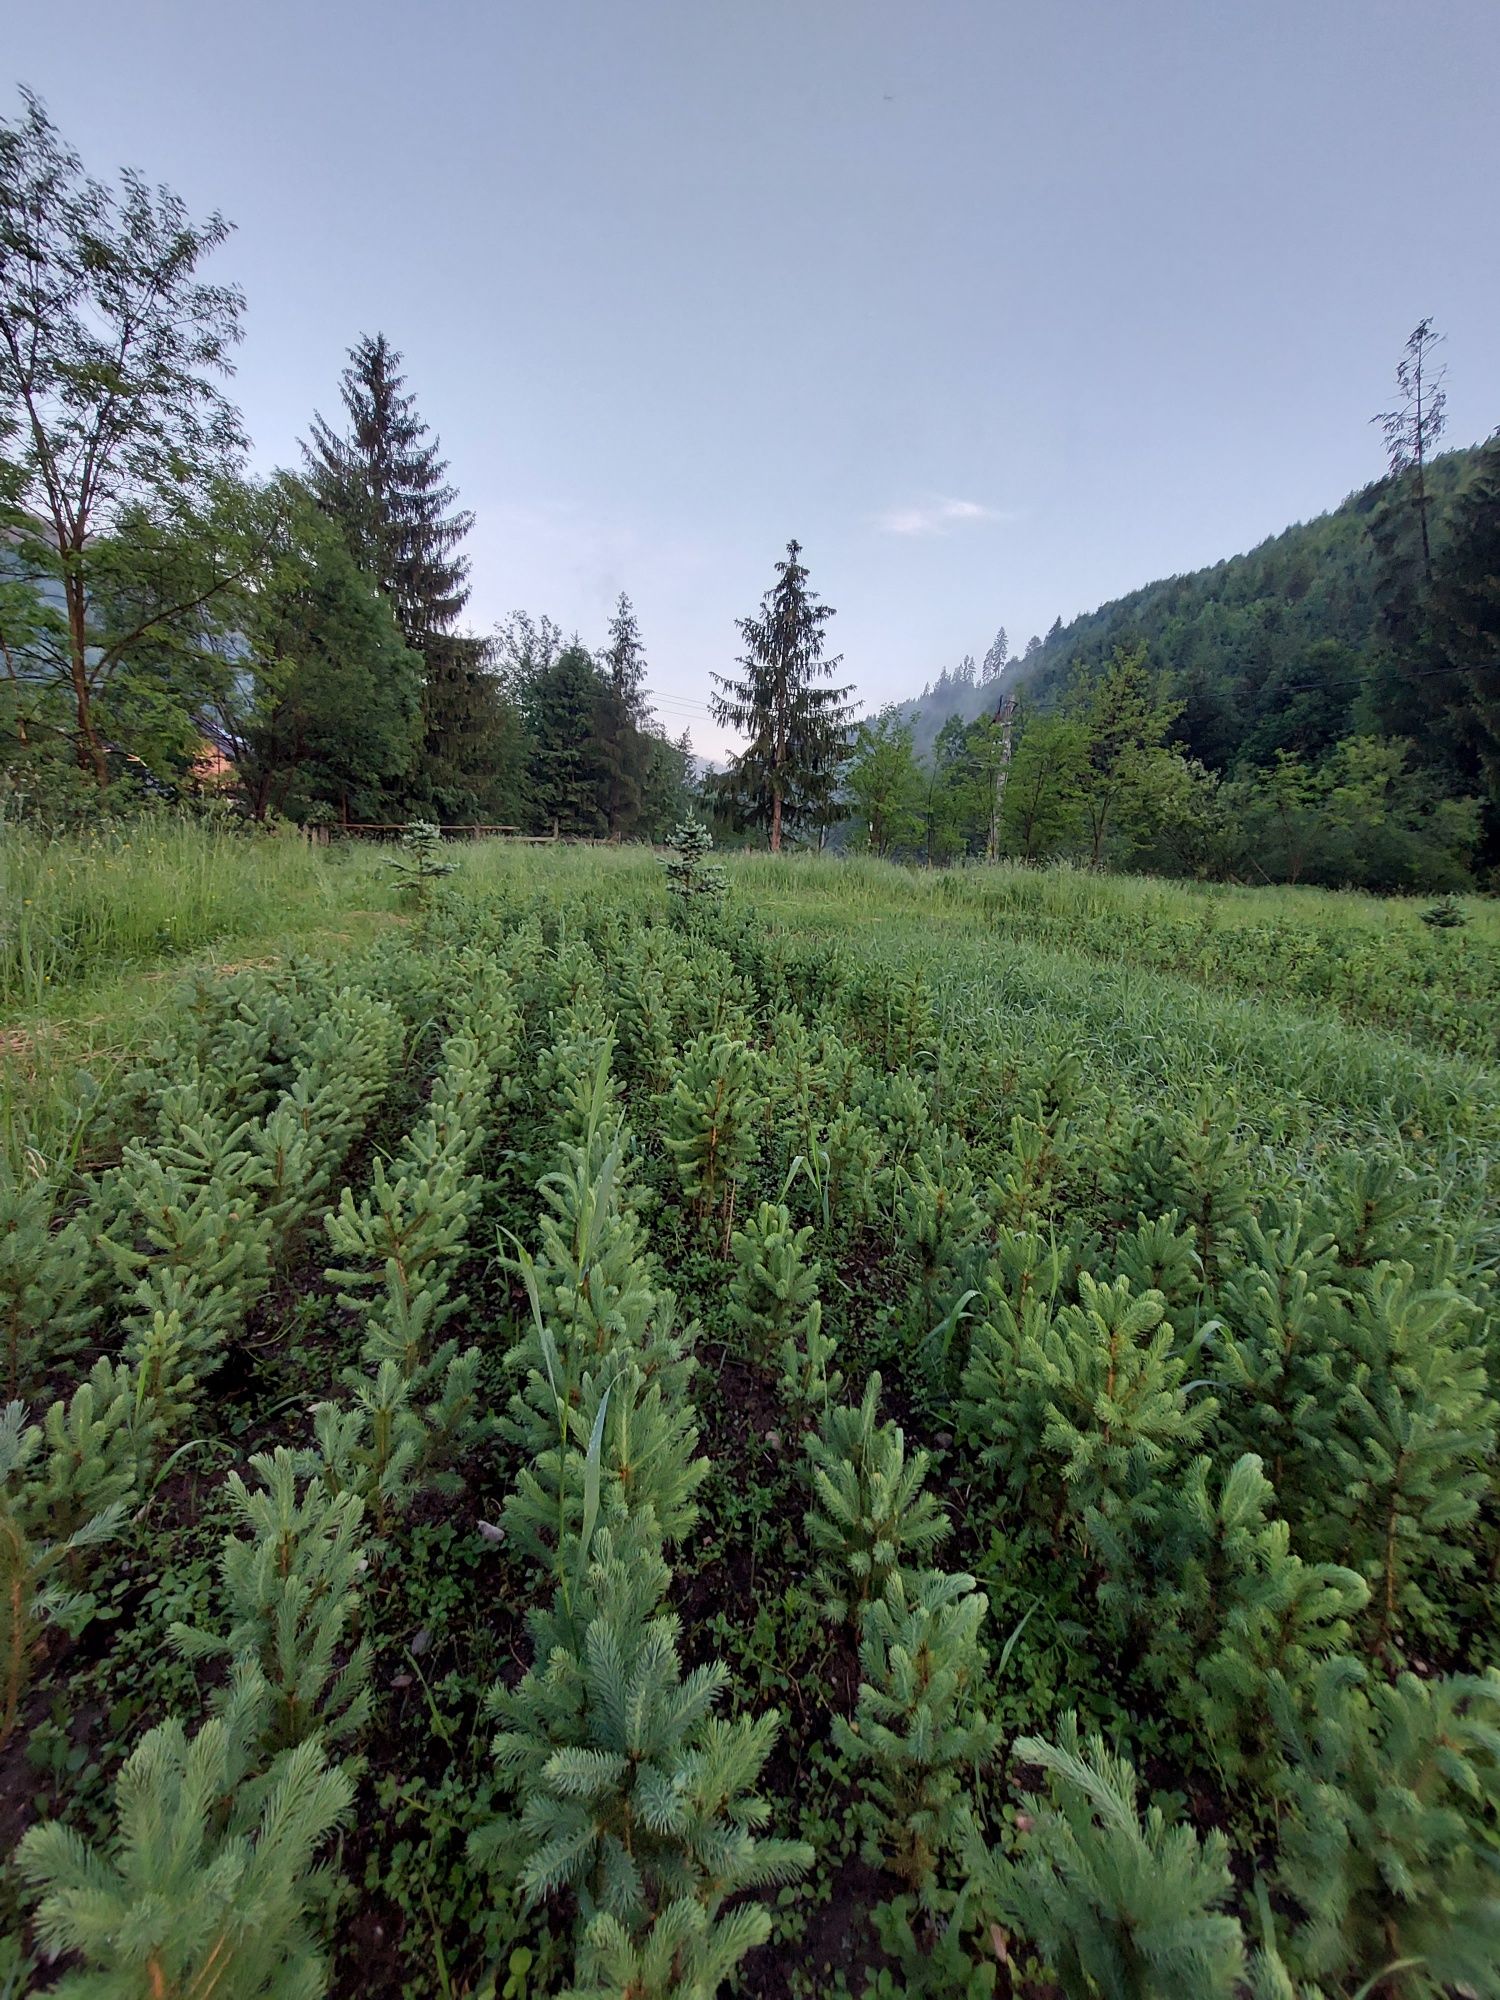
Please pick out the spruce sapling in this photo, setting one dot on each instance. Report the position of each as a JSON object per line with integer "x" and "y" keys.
{"x": 30, "y": 1558}
{"x": 869, "y": 1512}
{"x": 710, "y": 1122}
{"x": 292, "y": 1586}
{"x": 631, "y": 1791}
{"x": 1119, "y": 1906}
{"x": 1387, "y": 1821}
{"x": 919, "y": 1734}
{"x": 189, "y": 1901}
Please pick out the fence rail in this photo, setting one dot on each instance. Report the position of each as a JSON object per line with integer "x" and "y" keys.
{"x": 466, "y": 830}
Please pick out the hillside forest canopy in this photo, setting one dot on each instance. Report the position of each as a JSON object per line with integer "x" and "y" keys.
{"x": 1325, "y": 709}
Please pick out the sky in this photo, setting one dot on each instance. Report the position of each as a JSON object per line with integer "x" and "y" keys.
{"x": 1000, "y": 307}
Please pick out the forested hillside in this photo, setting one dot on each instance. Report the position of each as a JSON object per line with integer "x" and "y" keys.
{"x": 1326, "y": 707}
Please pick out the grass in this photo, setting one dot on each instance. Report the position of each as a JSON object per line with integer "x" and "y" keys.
{"x": 97, "y": 929}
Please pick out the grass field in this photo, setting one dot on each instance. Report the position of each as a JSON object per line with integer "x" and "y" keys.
{"x": 647, "y": 1440}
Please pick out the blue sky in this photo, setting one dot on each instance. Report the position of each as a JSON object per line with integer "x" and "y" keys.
{"x": 1001, "y": 309}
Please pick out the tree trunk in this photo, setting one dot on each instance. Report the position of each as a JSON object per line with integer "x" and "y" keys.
{"x": 776, "y": 822}
{"x": 90, "y": 751}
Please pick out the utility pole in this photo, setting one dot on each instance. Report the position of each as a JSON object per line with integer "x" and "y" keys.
{"x": 1005, "y": 715}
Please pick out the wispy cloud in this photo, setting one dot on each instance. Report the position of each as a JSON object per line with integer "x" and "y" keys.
{"x": 933, "y": 517}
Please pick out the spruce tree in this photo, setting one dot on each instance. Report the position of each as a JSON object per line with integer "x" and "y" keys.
{"x": 292, "y": 1588}
{"x": 31, "y": 1557}
{"x": 625, "y": 716}
{"x": 383, "y": 482}
{"x": 919, "y": 1734}
{"x": 799, "y": 730}
{"x": 631, "y": 1792}
{"x": 870, "y": 1512}
{"x": 211, "y": 1883}
{"x": 1120, "y": 1906}
{"x": 711, "y": 1124}
{"x": 1388, "y": 1820}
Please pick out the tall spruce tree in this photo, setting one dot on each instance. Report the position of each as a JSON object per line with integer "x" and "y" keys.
{"x": 384, "y": 483}
{"x": 799, "y": 731}
{"x": 624, "y": 717}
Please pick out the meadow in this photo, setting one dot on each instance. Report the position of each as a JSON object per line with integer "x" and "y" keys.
{"x": 867, "y": 1433}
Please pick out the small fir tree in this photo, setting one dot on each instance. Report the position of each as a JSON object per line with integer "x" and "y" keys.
{"x": 869, "y": 1511}
{"x": 1119, "y": 1906}
{"x": 631, "y": 1792}
{"x": 694, "y": 881}
{"x": 773, "y": 1295}
{"x": 31, "y": 1556}
{"x": 292, "y": 1589}
{"x": 919, "y": 1734}
{"x": 211, "y": 1884}
{"x": 711, "y": 1121}
{"x": 1388, "y": 1821}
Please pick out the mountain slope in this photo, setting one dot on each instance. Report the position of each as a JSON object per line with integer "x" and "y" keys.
{"x": 1268, "y": 650}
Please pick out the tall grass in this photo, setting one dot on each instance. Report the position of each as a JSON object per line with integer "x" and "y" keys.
{"x": 77, "y": 908}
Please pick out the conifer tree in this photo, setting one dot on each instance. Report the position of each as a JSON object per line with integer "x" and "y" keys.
{"x": 1387, "y": 1835}
{"x": 626, "y": 1447}
{"x": 799, "y": 730}
{"x": 191, "y": 1899}
{"x": 1120, "y": 1906}
{"x": 632, "y": 1793}
{"x": 94, "y": 1448}
{"x": 1238, "y": 1628}
{"x": 383, "y": 482}
{"x": 711, "y": 1123}
{"x": 692, "y": 878}
{"x": 919, "y": 1731}
{"x": 31, "y": 1592}
{"x": 1088, "y": 1414}
{"x": 626, "y": 717}
{"x": 47, "y": 1283}
{"x": 870, "y": 1512}
{"x": 684, "y": 1954}
{"x": 938, "y": 1222}
{"x": 292, "y": 1588}
{"x": 773, "y": 1295}
{"x": 1416, "y": 1430}
{"x": 1275, "y": 1348}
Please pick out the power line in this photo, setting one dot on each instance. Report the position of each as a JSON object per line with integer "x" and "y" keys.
{"x": 1368, "y": 680}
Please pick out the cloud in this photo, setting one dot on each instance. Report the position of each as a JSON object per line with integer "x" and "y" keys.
{"x": 933, "y": 517}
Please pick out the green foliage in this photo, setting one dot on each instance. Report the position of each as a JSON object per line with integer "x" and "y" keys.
{"x": 291, "y": 1583}
{"x": 1120, "y": 1906}
{"x": 1388, "y": 1842}
{"x": 420, "y": 862}
{"x": 685, "y": 1954}
{"x": 798, "y": 730}
{"x": 630, "y": 1791}
{"x": 1416, "y": 1430}
{"x": 211, "y": 1883}
{"x": 47, "y": 1283}
{"x": 711, "y": 1122}
{"x": 691, "y": 877}
{"x": 870, "y": 1513}
{"x": 918, "y": 1729}
{"x": 1084, "y": 1411}
{"x": 30, "y": 1557}
{"x": 773, "y": 1295}
{"x": 1239, "y": 1626}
